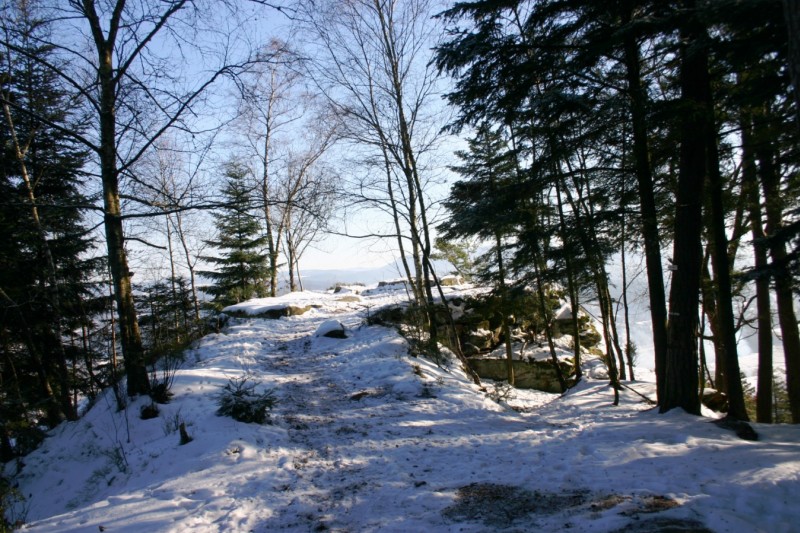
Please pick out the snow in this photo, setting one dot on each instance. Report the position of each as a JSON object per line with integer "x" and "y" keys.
{"x": 367, "y": 438}
{"x": 329, "y": 326}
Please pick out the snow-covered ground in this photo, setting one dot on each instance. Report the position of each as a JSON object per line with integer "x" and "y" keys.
{"x": 364, "y": 437}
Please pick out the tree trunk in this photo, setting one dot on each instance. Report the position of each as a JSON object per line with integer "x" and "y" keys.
{"x": 504, "y": 311}
{"x": 647, "y": 204}
{"x": 722, "y": 276}
{"x": 130, "y": 337}
{"x": 625, "y": 308}
{"x": 547, "y": 315}
{"x": 189, "y": 264}
{"x": 710, "y": 310}
{"x": 53, "y": 285}
{"x": 681, "y": 374}
{"x": 770, "y": 182}
{"x": 791, "y": 12}
{"x": 396, "y": 220}
{"x": 763, "y": 304}
{"x": 571, "y": 288}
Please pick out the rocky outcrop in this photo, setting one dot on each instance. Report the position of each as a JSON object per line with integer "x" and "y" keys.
{"x": 273, "y": 313}
{"x": 539, "y": 375}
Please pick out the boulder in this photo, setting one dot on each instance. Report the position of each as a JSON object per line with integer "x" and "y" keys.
{"x": 715, "y": 400}
{"x": 451, "y": 280}
{"x": 332, "y": 329}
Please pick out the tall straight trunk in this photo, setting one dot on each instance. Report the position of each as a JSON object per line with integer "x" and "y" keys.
{"x": 681, "y": 372}
{"x": 587, "y": 233}
{"x": 173, "y": 288}
{"x": 626, "y": 308}
{"x": 130, "y": 338}
{"x": 571, "y": 288}
{"x": 407, "y": 154}
{"x": 722, "y": 276}
{"x": 547, "y": 315}
{"x": 290, "y": 259}
{"x": 791, "y": 12}
{"x": 763, "y": 304}
{"x": 770, "y": 183}
{"x": 189, "y": 264}
{"x": 710, "y": 309}
{"x": 265, "y": 192}
{"x": 504, "y": 311}
{"x": 53, "y": 288}
{"x": 397, "y": 228}
{"x": 647, "y": 203}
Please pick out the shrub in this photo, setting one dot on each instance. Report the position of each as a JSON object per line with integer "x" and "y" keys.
{"x": 239, "y": 400}
{"x": 161, "y": 382}
{"x": 13, "y": 508}
{"x": 149, "y": 411}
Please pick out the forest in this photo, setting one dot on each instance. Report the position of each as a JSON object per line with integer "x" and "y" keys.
{"x": 164, "y": 159}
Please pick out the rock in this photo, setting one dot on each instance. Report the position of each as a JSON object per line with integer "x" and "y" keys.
{"x": 348, "y": 298}
{"x": 332, "y": 329}
{"x": 393, "y": 283}
{"x": 451, "y": 280}
{"x": 482, "y": 339}
{"x": 539, "y": 375}
{"x": 274, "y": 312}
{"x": 470, "y": 349}
{"x": 715, "y": 400}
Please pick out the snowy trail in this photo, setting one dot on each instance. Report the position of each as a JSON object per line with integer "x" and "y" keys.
{"x": 365, "y": 438}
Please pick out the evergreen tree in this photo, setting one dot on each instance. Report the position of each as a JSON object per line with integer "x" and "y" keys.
{"x": 242, "y": 268}
{"x": 481, "y": 206}
{"x": 45, "y": 276}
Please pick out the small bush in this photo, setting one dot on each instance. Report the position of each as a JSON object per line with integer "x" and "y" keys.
{"x": 502, "y": 392}
{"x": 13, "y": 508}
{"x": 161, "y": 382}
{"x": 149, "y": 411}
{"x": 239, "y": 400}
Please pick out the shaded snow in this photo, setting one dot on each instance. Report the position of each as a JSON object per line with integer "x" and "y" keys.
{"x": 366, "y": 438}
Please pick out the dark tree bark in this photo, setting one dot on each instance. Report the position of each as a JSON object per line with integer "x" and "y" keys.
{"x": 130, "y": 337}
{"x": 722, "y": 278}
{"x": 647, "y": 203}
{"x": 681, "y": 369}
{"x": 791, "y": 12}
{"x": 770, "y": 183}
{"x": 763, "y": 304}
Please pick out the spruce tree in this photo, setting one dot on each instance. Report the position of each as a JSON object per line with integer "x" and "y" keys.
{"x": 242, "y": 268}
{"x": 45, "y": 276}
{"x": 480, "y": 206}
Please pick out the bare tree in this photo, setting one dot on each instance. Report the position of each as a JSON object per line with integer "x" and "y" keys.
{"x": 127, "y": 60}
{"x": 270, "y": 101}
{"x": 307, "y": 216}
{"x": 372, "y": 63}
{"x": 173, "y": 174}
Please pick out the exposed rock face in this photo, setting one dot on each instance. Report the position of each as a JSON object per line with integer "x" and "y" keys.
{"x": 393, "y": 283}
{"x": 274, "y": 312}
{"x": 482, "y": 339}
{"x": 539, "y": 375}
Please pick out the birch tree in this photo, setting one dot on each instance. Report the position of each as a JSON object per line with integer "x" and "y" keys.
{"x": 127, "y": 59}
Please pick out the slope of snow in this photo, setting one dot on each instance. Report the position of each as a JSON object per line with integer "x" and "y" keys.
{"x": 365, "y": 438}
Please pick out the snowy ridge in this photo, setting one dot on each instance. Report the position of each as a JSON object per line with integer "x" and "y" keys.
{"x": 366, "y": 438}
